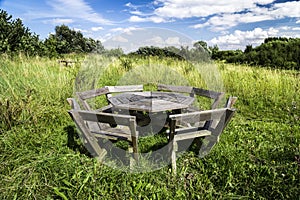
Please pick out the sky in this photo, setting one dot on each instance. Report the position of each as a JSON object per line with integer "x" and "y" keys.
{"x": 229, "y": 24}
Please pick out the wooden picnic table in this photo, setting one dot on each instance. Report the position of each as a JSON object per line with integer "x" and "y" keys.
{"x": 162, "y": 108}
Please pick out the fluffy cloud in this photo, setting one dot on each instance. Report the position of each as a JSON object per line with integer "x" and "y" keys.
{"x": 127, "y": 30}
{"x": 137, "y": 19}
{"x": 204, "y": 8}
{"x": 224, "y": 21}
{"x": 99, "y": 28}
{"x": 81, "y": 30}
{"x": 290, "y": 9}
{"x": 154, "y": 19}
{"x": 119, "y": 38}
{"x": 217, "y": 15}
{"x": 57, "y": 21}
{"x": 75, "y": 9}
{"x": 173, "y": 41}
{"x": 243, "y": 38}
{"x": 156, "y": 41}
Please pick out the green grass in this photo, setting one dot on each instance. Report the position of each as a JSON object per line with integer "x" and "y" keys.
{"x": 258, "y": 156}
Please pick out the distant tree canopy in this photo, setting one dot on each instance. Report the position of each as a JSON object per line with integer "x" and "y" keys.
{"x": 199, "y": 52}
{"x": 275, "y": 52}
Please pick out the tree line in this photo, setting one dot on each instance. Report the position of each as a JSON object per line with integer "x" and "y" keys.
{"x": 199, "y": 52}
{"x": 275, "y": 52}
{"x": 15, "y": 37}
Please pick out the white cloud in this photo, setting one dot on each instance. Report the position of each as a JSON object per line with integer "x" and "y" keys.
{"x": 130, "y": 5}
{"x": 119, "y": 39}
{"x": 204, "y": 8}
{"x": 217, "y": 15}
{"x": 77, "y": 9}
{"x": 154, "y": 19}
{"x": 127, "y": 30}
{"x": 99, "y": 28}
{"x": 286, "y": 9}
{"x": 157, "y": 19}
{"x": 240, "y": 39}
{"x": 135, "y": 18}
{"x": 285, "y": 28}
{"x": 81, "y": 30}
{"x": 156, "y": 41}
{"x": 136, "y": 12}
{"x": 226, "y": 21}
{"x": 59, "y": 21}
{"x": 173, "y": 41}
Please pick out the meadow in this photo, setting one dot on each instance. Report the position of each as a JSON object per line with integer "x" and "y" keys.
{"x": 258, "y": 156}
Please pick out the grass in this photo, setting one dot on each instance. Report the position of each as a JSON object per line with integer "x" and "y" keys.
{"x": 258, "y": 156}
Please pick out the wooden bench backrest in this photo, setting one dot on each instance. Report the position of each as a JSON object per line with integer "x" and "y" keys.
{"x": 216, "y": 96}
{"x": 84, "y": 96}
{"x": 107, "y": 90}
{"x": 173, "y": 88}
{"x": 108, "y": 118}
{"x": 123, "y": 88}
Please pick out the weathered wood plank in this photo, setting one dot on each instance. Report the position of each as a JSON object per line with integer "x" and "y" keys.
{"x": 115, "y": 134}
{"x": 106, "y": 117}
{"x": 73, "y": 103}
{"x": 230, "y": 102}
{"x": 192, "y": 135}
{"x": 92, "y": 143}
{"x": 207, "y": 93}
{"x": 92, "y": 93}
{"x": 173, "y": 88}
{"x": 134, "y": 138}
{"x": 124, "y": 88}
{"x": 198, "y": 116}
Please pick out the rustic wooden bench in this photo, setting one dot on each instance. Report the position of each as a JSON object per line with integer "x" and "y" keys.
{"x": 95, "y": 125}
{"x": 208, "y": 124}
{"x": 67, "y": 62}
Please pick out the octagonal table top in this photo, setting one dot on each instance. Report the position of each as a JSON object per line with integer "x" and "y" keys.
{"x": 151, "y": 101}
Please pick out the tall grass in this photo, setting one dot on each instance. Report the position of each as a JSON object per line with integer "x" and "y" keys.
{"x": 263, "y": 93}
{"x": 41, "y": 157}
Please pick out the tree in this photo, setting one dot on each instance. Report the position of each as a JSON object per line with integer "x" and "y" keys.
{"x": 201, "y": 46}
{"x": 15, "y": 37}
{"x": 71, "y": 41}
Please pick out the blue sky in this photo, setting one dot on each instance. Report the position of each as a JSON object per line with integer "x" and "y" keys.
{"x": 230, "y": 24}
